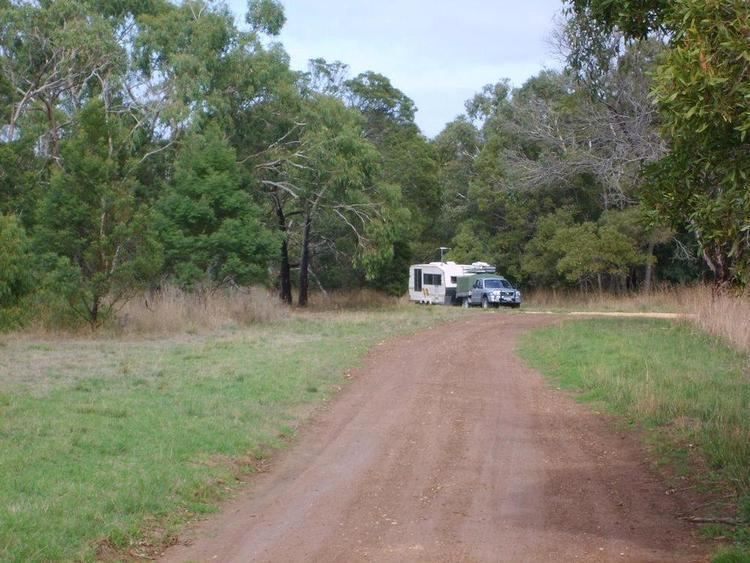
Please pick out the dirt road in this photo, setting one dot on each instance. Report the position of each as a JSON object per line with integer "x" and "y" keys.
{"x": 445, "y": 447}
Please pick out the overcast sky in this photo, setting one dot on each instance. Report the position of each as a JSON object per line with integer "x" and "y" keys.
{"x": 438, "y": 52}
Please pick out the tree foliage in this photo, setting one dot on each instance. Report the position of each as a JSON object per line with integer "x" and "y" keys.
{"x": 210, "y": 227}
{"x": 15, "y": 255}
{"x": 265, "y": 16}
{"x": 701, "y": 90}
{"x": 636, "y": 18}
{"x": 91, "y": 217}
{"x": 567, "y": 152}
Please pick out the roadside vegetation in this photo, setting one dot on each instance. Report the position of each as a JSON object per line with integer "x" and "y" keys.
{"x": 664, "y": 299}
{"x": 688, "y": 390}
{"x": 721, "y": 314}
{"x": 109, "y": 443}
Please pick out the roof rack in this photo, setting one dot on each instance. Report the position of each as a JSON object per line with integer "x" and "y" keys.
{"x": 480, "y": 268}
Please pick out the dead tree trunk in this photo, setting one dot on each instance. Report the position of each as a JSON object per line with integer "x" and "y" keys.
{"x": 649, "y": 268}
{"x": 304, "y": 263}
{"x": 285, "y": 273}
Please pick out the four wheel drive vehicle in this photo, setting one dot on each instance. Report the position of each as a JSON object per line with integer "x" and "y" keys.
{"x": 487, "y": 290}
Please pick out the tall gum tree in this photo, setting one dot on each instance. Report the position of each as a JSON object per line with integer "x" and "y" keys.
{"x": 51, "y": 56}
{"x": 336, "y": 180}
{"x": 701, "y": 89}
{"x": 408, "y": 161}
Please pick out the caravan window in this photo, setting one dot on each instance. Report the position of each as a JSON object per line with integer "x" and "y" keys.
{"x": 433, "y": 279}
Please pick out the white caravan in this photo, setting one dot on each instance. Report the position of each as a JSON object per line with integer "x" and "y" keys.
{"x": 435, "y": 283}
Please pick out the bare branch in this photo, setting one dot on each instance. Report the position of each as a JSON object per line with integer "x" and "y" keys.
{"x": 291, "y": 189}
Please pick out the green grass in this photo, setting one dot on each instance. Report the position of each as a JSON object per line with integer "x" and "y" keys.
{"x": 690, "y": 392}
{"x": 106, "y": 442}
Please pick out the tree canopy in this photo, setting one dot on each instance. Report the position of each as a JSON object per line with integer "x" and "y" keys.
{"x": 153, "y": 142}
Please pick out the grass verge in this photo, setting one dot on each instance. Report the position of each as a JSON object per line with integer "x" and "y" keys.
{"x": 678, "y": 299}
{"x": 107, "y": 445}
{"x": 690, "y": 392}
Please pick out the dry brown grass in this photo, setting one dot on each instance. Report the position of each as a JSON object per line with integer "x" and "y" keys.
{"x": 171, "y": 310}
{"x": 666, "y": 299}
{"x": 725, "y": 315}
{"x": 352, "y": 300}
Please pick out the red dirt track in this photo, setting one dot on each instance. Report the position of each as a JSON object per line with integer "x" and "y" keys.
{"x": 446, "y": 447}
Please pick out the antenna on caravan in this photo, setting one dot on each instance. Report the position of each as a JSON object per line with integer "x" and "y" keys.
{"x": 442, "y": 251}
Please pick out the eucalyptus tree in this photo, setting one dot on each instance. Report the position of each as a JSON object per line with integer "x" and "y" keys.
{"x": 265, "y": 16}
{"x": 106, "y": 92}
{"x": 408, "y": 160}
{"x": 701, "y": 91}
{"x": 78, "y": 148}
{"x": 457, "y": 147}
{"x": 702, "y": 88}
{"x": 52, "y": 56}
{"x": 606, "y": 129}
{"x": 493, "y": 213}
{"x": 213, "y": 94}
{"x": 332, "y": 179}
{"x": 520, "y": 155}
{"x": 636, "y": 20}
{"x": 370, "y": 240}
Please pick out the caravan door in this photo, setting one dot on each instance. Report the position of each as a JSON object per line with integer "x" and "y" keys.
{"x": 434, "y": 290}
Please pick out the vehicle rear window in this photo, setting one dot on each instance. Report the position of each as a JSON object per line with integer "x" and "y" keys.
{"x": 496, "y": 284}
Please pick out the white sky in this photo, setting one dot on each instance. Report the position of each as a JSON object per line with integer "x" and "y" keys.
{"x": 439, "y": 52}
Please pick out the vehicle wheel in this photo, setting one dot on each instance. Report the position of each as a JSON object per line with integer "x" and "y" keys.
{"x": 516, "y": 305}
{"x": 485, "y": 303}
{"x": 465, "y": 303}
